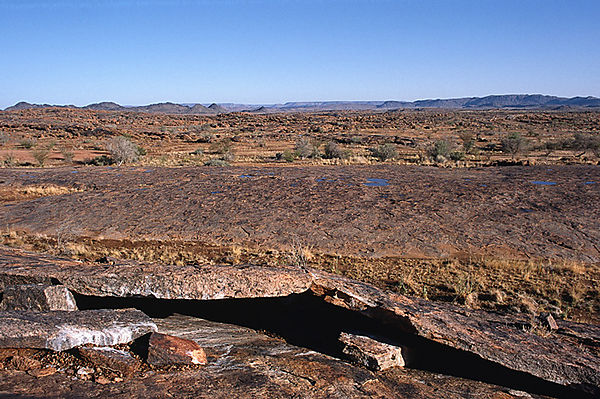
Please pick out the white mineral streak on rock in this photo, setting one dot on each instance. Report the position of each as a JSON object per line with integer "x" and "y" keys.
{"x": 69, "y": 336}
{"x": 70, "y": 301}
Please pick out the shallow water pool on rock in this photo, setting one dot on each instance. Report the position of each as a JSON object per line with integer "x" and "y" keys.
{"x": 544, "y": 183}
{"x": 377, "y": 182}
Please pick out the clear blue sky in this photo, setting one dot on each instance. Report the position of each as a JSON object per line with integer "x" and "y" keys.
{"x": 265, "y": 51}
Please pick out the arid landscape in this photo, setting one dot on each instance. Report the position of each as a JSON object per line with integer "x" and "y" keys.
{"x": 417, "y": 253}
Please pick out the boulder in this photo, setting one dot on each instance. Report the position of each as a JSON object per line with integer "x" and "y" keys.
{"x": 38, "y": 297}
{"x": 165, "y": 350}
{"x": 60, "y": 330}
{"x": 371, "y": 353}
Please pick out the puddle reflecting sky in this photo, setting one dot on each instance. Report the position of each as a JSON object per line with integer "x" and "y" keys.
{"x": 377, "y": 182}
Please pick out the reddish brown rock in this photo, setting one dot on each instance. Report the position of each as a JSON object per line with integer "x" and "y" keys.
{"x": 164, "y": 350}
{"x": 371, "y": 353}
{"x": 110, "y": 358}
{"x": 37, "y": 297}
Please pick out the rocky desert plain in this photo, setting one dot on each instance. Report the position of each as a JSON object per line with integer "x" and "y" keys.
{"x": 391, "y": 253}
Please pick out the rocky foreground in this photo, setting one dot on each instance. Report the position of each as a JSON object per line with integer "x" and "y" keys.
{"x": 124, "y": 328}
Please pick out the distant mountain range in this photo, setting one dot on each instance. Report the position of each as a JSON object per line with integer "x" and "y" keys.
{"x": 509, "y": 101}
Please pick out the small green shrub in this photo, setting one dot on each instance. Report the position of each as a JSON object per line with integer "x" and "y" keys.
{"x": 4, "y": 137}
{"x": 457, "y": 155}
{"x": 216, "y": 162}
{"x": 306, "y": 149}
{"x": 384, "y": 152}
{"x": 9, "y": 161}
{"x": 221, "y": 147}
{"x": 67, "y": 155}
{"x": 41, "y": 155}
{"x": 586, "y": 142}
{"x": 439, "y": 149}
{"x": 102, "y": 160}
{"x": 287, "y": 155}
{"x": 205, "y": 137}
{"x": 333, "y": 150}
{"x": 513, "y": 143}
{"x": 468, "y": 142}
{"x": 27, "y": 143}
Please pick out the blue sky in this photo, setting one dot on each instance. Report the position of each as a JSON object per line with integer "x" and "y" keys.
{"x": 261, "y": 51}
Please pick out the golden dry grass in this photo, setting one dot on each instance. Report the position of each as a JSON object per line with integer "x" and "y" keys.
{"x": 21, "y": 193}
{"x": 567, "y": 288}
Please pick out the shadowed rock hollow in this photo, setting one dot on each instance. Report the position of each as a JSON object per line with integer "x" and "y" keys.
{"x": 311, "y": 309}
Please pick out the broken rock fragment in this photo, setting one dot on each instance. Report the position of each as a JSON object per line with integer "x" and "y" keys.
{"x": 38, "y": 297}
{"x": 371, "y": 353}
{"x": 164, "y": 350}
{"x": 59, "y": 330}
{"x": 110, "y": 358}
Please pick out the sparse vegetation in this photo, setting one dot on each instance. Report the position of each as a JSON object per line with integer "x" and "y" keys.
{"x": 305, "y": 148}
{"x": 122, "y": 150}
{"x": 41, "y": 155}
{"x": 333, "y": 150}
{"x": 468, "y": 142}
{"x": 513, "y": 143}
{"x": 4, "y": 138}
{"x": 385, "y": 152}
{"x": 67, "y": 155}
{"x": 101, "y": 160}
{"x": 222, "y": 146}
{"x": 287, "y": 155}
{"x": 216, "y": 162}
{"x": 9, "y": 161}
{"x": 28, "y": 143}
{"x": 439, "y": 151}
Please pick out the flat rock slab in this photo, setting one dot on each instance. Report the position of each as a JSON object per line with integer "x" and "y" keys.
{"x": 64, "y": 330}
{"x": 329, "y": 209}
{"x": 127, "y": 278}
{"x": 38, "y": 297}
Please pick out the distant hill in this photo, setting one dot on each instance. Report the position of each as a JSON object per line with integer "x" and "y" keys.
{"x": 105, "y": 106}
{"x": 216, "y": 108}
{"x": 508, "y": 101}
{"x": 159, "y": 108}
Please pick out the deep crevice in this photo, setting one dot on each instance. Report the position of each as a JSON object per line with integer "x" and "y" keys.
{"x": 306, "y": 320}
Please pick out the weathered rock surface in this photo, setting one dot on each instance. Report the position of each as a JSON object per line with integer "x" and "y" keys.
{"x": 110, "y": 358}
{"x": 371, "y": 353}
{"x": 151, "y": 280}
{"x": 37, "y": 297}
{"x": 244, "y": 363}
{"x": 330, "y": 209}
{"x": 60, "y": 330}
{"x": 568, "y": 356}
{"x": 165, "y": 350}
{"x": 562, "y": 357}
